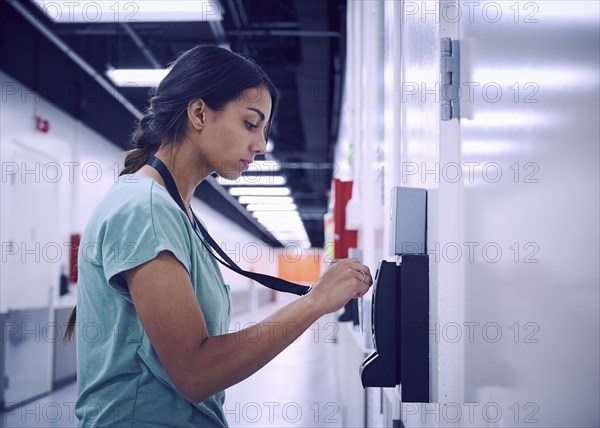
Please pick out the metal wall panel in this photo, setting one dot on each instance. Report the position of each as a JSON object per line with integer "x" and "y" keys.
{"x": 27, "y": 352}
{"x": 65, "y": 353}
{"x": 530, "y": 130}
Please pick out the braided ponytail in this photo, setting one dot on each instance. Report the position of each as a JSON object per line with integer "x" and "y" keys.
{"x": 146, "y": 141}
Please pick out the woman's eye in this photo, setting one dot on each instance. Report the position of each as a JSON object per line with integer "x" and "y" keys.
{"x": 250, "y": 125}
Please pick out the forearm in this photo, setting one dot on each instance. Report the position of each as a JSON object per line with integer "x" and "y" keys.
{"x": 222, "y": 361}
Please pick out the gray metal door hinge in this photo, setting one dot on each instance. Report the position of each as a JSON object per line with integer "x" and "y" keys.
{"x": 450, "y": 79}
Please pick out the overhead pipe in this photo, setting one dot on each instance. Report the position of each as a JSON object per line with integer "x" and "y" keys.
{"x": 141, "y": 45}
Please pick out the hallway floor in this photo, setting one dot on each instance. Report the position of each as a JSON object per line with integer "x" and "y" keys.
{"x": 298, "y": 388}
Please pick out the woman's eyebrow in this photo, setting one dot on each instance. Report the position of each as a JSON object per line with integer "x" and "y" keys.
{"x": 257, "y": 111}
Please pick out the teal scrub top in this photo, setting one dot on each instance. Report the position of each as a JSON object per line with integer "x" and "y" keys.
{"x": 120, "y": 380}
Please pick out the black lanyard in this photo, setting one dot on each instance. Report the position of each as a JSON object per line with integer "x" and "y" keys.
{"x": 266, "y": 280}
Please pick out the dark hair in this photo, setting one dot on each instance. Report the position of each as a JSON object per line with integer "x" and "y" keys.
{"x": 217, "y": 76}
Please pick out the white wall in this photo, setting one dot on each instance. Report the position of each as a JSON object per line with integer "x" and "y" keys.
{"x": 34, "y": 162}
{"x": 78, "y": 165}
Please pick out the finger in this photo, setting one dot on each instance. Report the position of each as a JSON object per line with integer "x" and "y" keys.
{"x": 369, "y": 277}
{"x": 364, "y": 275}
{"x": 362, "y": 289}
{"x": 360, "y": 275}
{"x": 362, "y": 286}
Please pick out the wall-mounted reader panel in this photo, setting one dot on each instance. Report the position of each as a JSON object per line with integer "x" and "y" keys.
{"x": 400, "y": 322}
{"x": 381, "y": 368}
{"x": 408, "y": 220}
{"x": 414, "y": 328}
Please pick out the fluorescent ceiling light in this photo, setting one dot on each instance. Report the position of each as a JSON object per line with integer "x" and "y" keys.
{"x": 284, "y": 220}
{"x": 259, "y": 191}
{"x": 297, "y": 231}
{"x": 290, "y": 223}
{"x": 90, "y": 12}
{"x": 277, "y": 229}
{"x": 283, "y": 200}
{"x": 254, "y": 180}
{"x": 275, "y": 214}
{"x": 137, "y": 77}
{"x": 281, "y": 226}
{"x": 271, "y": 207}
{"x": 289, "y": 217}
{"x": 289, "y": 234}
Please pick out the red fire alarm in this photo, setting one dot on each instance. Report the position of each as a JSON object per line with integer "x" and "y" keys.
{"x": 42, "y": 125}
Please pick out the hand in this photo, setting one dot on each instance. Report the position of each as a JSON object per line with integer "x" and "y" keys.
{"x": 345, "y": 279}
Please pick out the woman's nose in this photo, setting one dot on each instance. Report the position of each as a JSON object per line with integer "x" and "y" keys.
{"x": 260, "y": 147}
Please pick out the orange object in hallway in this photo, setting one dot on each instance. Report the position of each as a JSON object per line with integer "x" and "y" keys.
{"x": 304, "y": 268}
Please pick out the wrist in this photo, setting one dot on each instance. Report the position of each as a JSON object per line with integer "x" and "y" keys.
{"x": 314, "y": 304}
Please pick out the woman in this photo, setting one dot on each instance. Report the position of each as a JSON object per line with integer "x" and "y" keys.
{"x": 153, "y": 310}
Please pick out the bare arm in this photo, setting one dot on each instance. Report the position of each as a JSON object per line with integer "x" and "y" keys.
{"x": 200, "y": 365}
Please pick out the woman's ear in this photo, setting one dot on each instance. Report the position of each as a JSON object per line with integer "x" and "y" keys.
{"x": 196, "y": 114}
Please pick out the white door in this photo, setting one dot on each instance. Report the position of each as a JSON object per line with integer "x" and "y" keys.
{"x": 529, "y": 132}
{"x": 513, "y": 209}
{"x": 32, "y": 251}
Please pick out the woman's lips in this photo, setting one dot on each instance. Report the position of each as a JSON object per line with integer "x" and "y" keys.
{"x": 246, "y": 163}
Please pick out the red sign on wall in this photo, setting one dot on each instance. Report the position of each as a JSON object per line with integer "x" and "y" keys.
{"x": 42, "y": 125}
{"x": 344, "y": 239}
{"x": 73, "y": 251}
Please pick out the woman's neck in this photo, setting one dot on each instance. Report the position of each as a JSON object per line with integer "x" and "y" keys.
{"x": 182, "y": 166}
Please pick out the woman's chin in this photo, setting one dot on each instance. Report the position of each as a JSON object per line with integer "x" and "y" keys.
{"x": 231, "y": 175}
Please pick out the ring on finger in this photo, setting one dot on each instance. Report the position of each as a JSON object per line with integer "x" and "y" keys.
{"x": 364, "y": 275}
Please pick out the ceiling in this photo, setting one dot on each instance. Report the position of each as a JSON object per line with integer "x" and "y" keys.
{"x": 299, "y": 43}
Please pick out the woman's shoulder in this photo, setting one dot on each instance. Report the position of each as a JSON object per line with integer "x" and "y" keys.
{"x": 137, "y": 190}
{"x": 136, "y": 196}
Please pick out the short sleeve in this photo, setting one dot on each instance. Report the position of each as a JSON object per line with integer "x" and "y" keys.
{"x": 143, "y": 227}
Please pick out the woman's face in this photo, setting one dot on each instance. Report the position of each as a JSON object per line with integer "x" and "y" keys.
{"x": 232, "y": 137}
